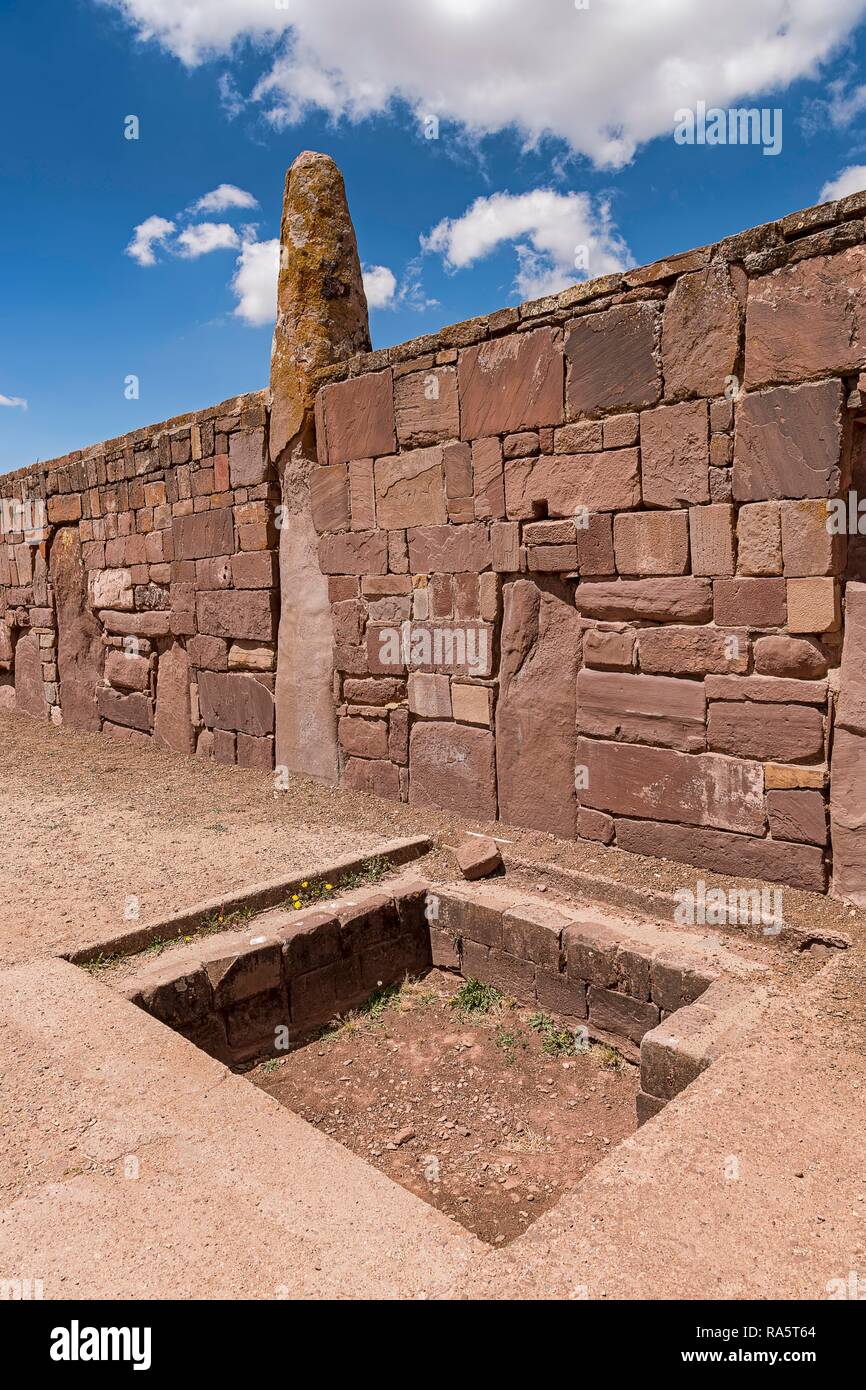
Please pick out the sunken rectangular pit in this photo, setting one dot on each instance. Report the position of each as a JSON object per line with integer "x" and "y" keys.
{"x": 363, "y": 1016}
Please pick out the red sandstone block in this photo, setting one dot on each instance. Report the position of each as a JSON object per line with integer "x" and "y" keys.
{"x": 693, "y": 651}
{"x": 373, "y": 775}
{"x": 310, "y": 940}
{"x": 590, "y": 953}
{"x": 798, "y": 815}
{"x": 651, "y": 542}
{"x": 510, "y": 384}
{"x": 255, "y": 569}
{"x": 739, "y": 855}
{"x": 452, "y": 766}
{"x": 425, "y": 406}
{"x": 364, "y": 738}
{"x": 808, "y": 544}
{"x": 358, "y": 418}
{"x": 534, "y": 933}
{"x": 477, "y": 856}
{"x": 675, "y": 455}
{"x": 656, "y": 600}
{"x": 489, "y": 486}
{"x": 64, "y": 508}
{"x": 445, "y": 955}
{"x": 771, "y": 732}
{"x": 619, "y": 1014}
{"x": 642, "y": 709}
{"x": 562, "y": 996}
{"x": 611, "y": 360}
{"x": 361, "y": 552}
{"x": 788, "y": 442}
{"x": 410, "y": 489}
{"x": 595, "y": 825}
{"x": 255, "y": 752}
{"x": 238, "y": 970}
{"x": 690, "y": 788}
{"x": 203, "y": 534}
{"x": 224, "y": 745}
{"x": 608, "y": 650}
{"x": 449, "y": 549}
{"x": 329, "y": 498}
{"x": 240, "y": 613}
{"x": 806, "y": 319}
{"x": 135, "y": 711}
{"x": 678, "y": 977}
{"x": 514, "y": 977}
{"x": 751, "y": 602}
{"x": 570, "y": 484}
{"x": 711, "y": 532}
{"x": 595, "y": 546}
{"x": 701, "y": 332}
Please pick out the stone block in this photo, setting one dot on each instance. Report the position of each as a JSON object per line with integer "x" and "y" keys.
{"x": 693, "y": 651}
{"x": 659, "y": 710}
{"x": 701, "y": 333}
{"x": 425, "y": 406}
{"x": 651, "y": 543}
{"x": 751, "y": 602}
{"x": 741, "y": 856}
{"x": 711, "y": 535}
{"x": 653, "y": 600}
{"x": 759, "y": 540}
{"x": 329, "y": 497}
{"x": 619, "y": 1015}
{"x": 410, "y": 489}
{"x": 358, "y": 417}
{"x": 675, "y": 455}
{"x": 797, "y": 815}
{"x": 813, "y": 605}
{"x": 452, "y": 766}
{"x": 788, "y": 442}
{"x": 692, "y": 788}
{"x": 511, "y": 383}
{"x": 233, "y": 701}
{"x": 611, "y": 360}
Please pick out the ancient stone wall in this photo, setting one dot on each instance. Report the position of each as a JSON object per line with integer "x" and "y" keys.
{"x": 600, "y": 525}
{"x": 581, "y": 557}
{"x": 146, "y": 604}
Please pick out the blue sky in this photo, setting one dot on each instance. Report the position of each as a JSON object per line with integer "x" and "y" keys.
{"x": 564, "y": 132}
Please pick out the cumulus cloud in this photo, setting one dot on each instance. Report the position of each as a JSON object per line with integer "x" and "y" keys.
{"x": 13, "y": 402}
{"x": 255, "y": 282}
{"x": 153, "y": 231}
{"x": 604, "y": 79}
{"x": 224, "y": 198}
{"x": 204, "y": 237}
{"x": 558, "y": 237}
{"x": 851, "y": 180}
{"x": 380, "y": 286}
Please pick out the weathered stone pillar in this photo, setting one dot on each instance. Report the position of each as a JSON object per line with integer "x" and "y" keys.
{"x": 321, "y": 319}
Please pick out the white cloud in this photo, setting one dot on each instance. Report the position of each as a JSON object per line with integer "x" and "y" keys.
{"x": 255, "y": 282}
{"x": 204, "y": 237}
{"x": 604, "y": 79}
{"x": 559, "y": 238}
{"x": 380, "y": 286}
{"x": 14, "y": 402}
{"x": 223, "y": 198}
{"x": 153, "y": 231}
{"x": 850, "y": 180}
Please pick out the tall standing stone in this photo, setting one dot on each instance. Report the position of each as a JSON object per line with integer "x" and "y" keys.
{"x": 79, "y": 636}
{"x": 321, "y": 319}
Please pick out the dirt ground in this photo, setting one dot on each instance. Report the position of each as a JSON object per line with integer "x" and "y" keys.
{"x": 86, "y": 822}
{"x": 465, "y": 1109}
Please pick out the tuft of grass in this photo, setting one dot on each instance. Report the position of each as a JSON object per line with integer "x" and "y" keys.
{"x": 607, "y": 1057}
{"x": 473, "y": 998}
{"x": 506, "y": 1041}
{"x": 379, "y": 1001}
{"x": 320, "y": 890}
{"x": 270, "y": 1064}
{"x": 554, "y": 1039}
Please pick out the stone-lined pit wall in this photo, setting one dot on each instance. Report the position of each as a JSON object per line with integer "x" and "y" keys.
{"x": 147, "y": 606}
{"x": 577, "y": 556}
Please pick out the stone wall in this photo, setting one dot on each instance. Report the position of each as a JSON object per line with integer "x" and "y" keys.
{"x": 577, "y": 552}
{"x": 146, "y": 604}
{"x": 600, "y": 524}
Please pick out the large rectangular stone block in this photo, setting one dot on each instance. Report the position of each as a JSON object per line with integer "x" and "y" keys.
{"x": 741, "y": 856}
{"x": 564, "y": 483}
{"x": 772, "y": 732}
{"x": 243, "y": 613}
{"x": 452, "y": 766}
{"x": 203, "y": 534}
{"x": 642, "y": 709}
{"x": 611, "y": 360}
{"x": 358, "y": 418}
{"x": 655, "y": 600}
{"x": 788, "y": 442}
{"x": 231, "y": 700}
{"x": 425, "y": 405}
{"x": 807, "y": 319}
{"x": 675, "y": 459}
{"x": 651, "y": 542}
{"x": 511, "y": 383}
{"x": 410, "y": 489}
{"x": 450, "y": 549}
{"x": 659, "y": 783}
{"x": 693, "y": 651}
